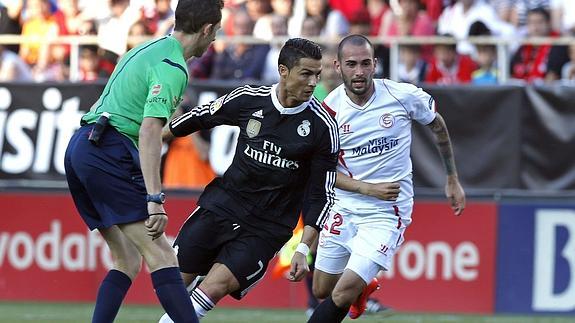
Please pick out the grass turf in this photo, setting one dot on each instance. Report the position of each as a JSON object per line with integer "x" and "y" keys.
{"x": 12, "y": 312}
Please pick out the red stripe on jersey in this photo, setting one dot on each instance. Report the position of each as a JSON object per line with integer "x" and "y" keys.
{"x": 342, "y": 162}
{"x": 329, "y": 110}
{"x": 396, "y": 209}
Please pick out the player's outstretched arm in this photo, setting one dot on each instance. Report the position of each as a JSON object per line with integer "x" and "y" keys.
{"x": 453, "y": 189}
{"x": 383, "y": 191}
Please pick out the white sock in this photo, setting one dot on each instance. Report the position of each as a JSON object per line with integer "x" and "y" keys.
{"x": 202, "y": 303}
{"x": 165, "y": 319}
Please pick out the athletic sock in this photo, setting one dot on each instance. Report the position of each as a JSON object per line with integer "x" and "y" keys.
{"x": 202, "y": 303}
{"x": 111, "y": 293}
{"x": 172, "y": 294}
{"x": 328, "y": 312}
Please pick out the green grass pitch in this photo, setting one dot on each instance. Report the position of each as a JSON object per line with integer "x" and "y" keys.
{"x": 11, "y": 312}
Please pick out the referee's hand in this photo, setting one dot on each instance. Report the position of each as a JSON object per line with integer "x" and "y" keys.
{"x": 299, "y": 267}
{"x": 157, "y": 220}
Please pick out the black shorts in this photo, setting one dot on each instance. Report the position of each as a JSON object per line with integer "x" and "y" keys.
{"x": 207, "y": 238}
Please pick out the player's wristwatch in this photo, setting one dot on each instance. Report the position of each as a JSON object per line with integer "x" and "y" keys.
{"x": 159, "y": 198}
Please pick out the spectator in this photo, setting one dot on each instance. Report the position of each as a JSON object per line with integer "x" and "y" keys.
{"x": 333, "y": 22}
{"x": 407, "y": 20}
{"x": 412, "y": 67}
{"x": 448, "y": 67}
{"x": 347, "y": 7}
{"x": 529, "y": 63}
{"x": 486, "y": 73}
{"x": 568, "y": 70}
{"x": 279, "y": 28}
{"x": 329, "y": 78}
{"x": 558, "y": 57}
{"x": 89, "y": 63}
{"x": 522, "y": 7}
{"x": 113, "y": 30}
{"x": 240, "y": 60}
{"x": 561, "y": 19}
{"x": 201, "y": 67}
{"x": 456, "y": 20}
{"x": 69, "y": 18}
{"x": 257, "y": 9}
{"x": 57, "y": 68}
{"x": 139, "y": 31}
{"x": 377, "y": 9}
{"x": 311, "y": 27}
{"x": 263, "y": 26}
{"x": 41, "y": 25}
{"x": 10, "y": 21}
{"x": 161, "y": 21}
{"x": 12, "y": 67}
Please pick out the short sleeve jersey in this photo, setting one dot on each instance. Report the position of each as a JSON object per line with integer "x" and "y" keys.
{"x": 149, "y": 81}
{"x": 375, "y": 138}
{"x": 280, "y": 153}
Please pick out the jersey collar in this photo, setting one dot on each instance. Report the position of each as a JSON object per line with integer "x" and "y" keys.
{"x": 281, "y": 108}
{"x": 361, "y": 107}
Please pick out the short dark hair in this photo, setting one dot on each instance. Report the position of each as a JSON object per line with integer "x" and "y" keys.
{"x": 355, "y": 40}
{"x": 295, "y": 49}
{"x": 540, "y": 11}
{"x": 191, "y": 15}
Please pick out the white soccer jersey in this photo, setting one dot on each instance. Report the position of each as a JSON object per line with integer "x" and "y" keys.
{"x": 375, "y": 139}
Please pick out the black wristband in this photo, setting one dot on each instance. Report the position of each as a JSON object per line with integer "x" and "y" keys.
{"x": 158, "y": 213}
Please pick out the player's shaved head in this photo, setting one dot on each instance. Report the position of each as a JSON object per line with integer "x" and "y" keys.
{"x": 191, "y": 15}
{"x": 353, "y": 40}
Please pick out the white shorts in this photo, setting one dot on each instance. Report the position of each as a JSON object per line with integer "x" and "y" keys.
{"x": 348, "y": 239}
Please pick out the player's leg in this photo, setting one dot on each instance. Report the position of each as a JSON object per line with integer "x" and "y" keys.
{"x": 126, "y": 258}
{"x": 332, "y": 253}
{"x": 240, "y": 265}
{"x": 163, "y": 264}
{"x": 111, "y": 176}
{"x": 331, "y": 260}
{"x": 347, "y": 289}
{"x": 126, "y": 265}
{"x": 197, "y": 245}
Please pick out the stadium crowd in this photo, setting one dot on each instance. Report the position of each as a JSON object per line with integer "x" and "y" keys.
{"x": 114, "y": 21}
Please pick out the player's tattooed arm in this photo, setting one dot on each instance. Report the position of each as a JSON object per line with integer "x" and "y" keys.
{"x": 443, "y": 142}
{"x": 453, "y": 189}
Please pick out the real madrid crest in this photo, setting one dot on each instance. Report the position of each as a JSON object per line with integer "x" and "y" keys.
{"x": 304, "y": 128}
{"x": 253, "y": 128}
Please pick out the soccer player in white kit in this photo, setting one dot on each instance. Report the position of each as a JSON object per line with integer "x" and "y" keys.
{"x": 374, "y": 189}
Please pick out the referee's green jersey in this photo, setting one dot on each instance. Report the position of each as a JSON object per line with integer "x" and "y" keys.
{"x": 149, "y": 81}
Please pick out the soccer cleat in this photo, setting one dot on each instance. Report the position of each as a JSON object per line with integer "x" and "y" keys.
{"x": 359, "y": 306}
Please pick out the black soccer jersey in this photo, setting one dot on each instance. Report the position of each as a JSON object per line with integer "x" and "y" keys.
{"x": 280, "y": 153}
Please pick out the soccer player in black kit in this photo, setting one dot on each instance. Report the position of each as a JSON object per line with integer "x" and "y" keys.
{"x": 287, "y": 144}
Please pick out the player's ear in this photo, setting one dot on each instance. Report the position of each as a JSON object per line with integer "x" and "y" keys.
{"x": 207, "y": 29}
{"x": 283, "y": 70}
{"x": 337, "y": 66}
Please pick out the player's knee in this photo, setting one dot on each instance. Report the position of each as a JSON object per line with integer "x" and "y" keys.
{"x": 320, "y": 291}
{"x": 343, "y": 298}
{"x": 159, "y": 255}
{"x": 130, "y": 265}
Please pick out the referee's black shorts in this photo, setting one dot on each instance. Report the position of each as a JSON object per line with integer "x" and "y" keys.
{"x": 207, "y": 238}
